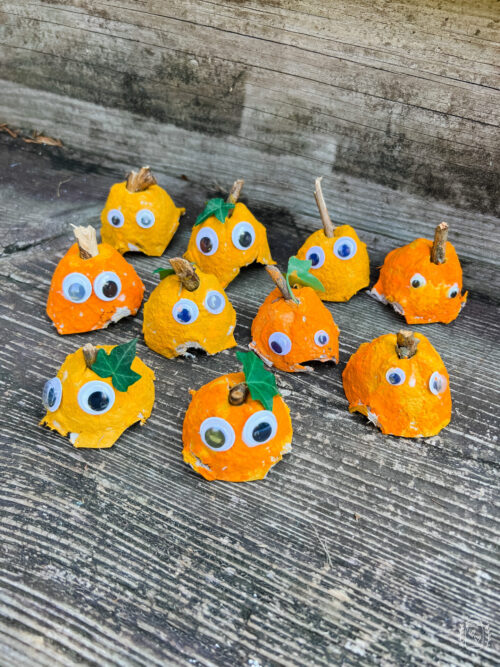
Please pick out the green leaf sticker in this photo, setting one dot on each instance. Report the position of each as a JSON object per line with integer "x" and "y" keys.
{"x": 261, "y": 382}
{"x": 298, "y": 274}
{"x": 218, "y": 207}
{"x": 163, "y": 273}
{"x": 117, "y": 365}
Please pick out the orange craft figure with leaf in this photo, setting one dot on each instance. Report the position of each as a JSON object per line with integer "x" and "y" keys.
{"x": 339, "y": 258}
{"x": 226, "y": 237}
{"x": 92, "y": 286}
{"x": 188, "y": 309}
{"x": 139, "y": 215}
{"x": 400, "y": 384}
{"x": 237, "y": 426}
{"x": 293, "y": 325}
{"x": 423, "y": 280}
{"x": 98, "y": 393}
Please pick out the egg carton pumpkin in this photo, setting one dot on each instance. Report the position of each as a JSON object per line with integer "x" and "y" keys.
{"x": 139, "y": 215}
{"x": 226, "y": 237}
{"x": 400, "y": 384}
{"x": 423, "y": 280}
{"x": 188, "y": 309}
{"x": 237, "y": 426}
{"x": 92, "y": 286}
{"x": 293, "y": 325}
{"x": 98, "y": 393}
{"x": 338, "y": 257}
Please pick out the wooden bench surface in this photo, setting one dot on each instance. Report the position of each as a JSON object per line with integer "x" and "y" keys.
{"x": 357, "y": 548}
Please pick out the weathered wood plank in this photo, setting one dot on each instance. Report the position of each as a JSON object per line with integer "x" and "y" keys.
{"x": 358, "y": 548}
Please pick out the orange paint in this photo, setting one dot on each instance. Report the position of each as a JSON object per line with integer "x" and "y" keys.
{"x": 89, "y": 294}
{"x": 341, "y": 262}
{"x": 215, "y": 246}
{"x": 419, "y": 289}
{"x": 404, "y": 397}
{"x": 245, "y": 460}
{"x": 307, "y": 328}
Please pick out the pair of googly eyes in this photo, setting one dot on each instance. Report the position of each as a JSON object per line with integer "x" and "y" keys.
{"x": 94, "y": 398}
{"x": 281, "y": 344}
{"x": 344, "y": 248}
{"x": 242, "y": 236}
{"x": 77, "y": 288}
{"x": 218, "y": 434}
{"x": 397, "y": 376}
{"x": 186, "y": 311}
{"x": 144, "y": 218}
{"x": 418, "y": 280}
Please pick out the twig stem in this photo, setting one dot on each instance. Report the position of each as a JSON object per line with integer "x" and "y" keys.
{"x": 407, "y": 344}
{"x": 86, "y": 237}
{"x": 438, "y": 252}
{"x": 238, "y": 394}
{"x": 89, "y": 354}
{"x": 280, "y": 282}
{"x": 137, "y": 181}
{"x": 323, "y": 211}
{"x": 186, "y": 273}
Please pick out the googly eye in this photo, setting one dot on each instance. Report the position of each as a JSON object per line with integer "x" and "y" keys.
{"x": 437, "y": 383}
{"x": 214, "y": 302}
{"x": 395, "y": 376}
{"x": 259, "y": 428}
{"x": 96, "y": 397}
{"x": 115, "y": 218}
{"x": 107, "y": 286}
{"x": 76, "y": 287}
{"x": 321, "y": 338}
{"x": 279, "y": 343}
{"x": 316, "y": 256}
{"x": 145, "y": 218}
{"x": 217, "y": 434}
{"x": 207, "y": 241}
{"x": 418, "y": 280}
{"x": 185, "y": 311}
{"x": 453, "y": 291}
{"x": 345, "y": 247}
{"x": 52, "y": 394}
{"x": 243, "y": 235}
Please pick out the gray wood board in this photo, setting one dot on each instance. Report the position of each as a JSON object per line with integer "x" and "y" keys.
{"x": 357, "y": 549}
{"x": 403, "y": 93}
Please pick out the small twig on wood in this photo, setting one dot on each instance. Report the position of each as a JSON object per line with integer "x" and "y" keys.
{"x": 407, "y": 344}
{"x": 5, "y": 128}
{"x": 186, "y": 273}
{"x": 89, "y": 354}
{"x": 86, "y": 237}
{"x": 66, "y": 180}
{"x": 280, "y": 282}
{"x": 39, "y": 138}
{"x": 438, "y": 251}
{"x": 328, "y": 225}
{"x": 137, "y": 181}
{"x": 238, "y": 394}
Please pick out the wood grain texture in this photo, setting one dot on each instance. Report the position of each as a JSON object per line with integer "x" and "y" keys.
{"x": 357, "y": 549}
{"x": 404, "y": 94}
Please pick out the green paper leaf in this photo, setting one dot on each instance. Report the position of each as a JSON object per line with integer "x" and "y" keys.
{"x": 117, "y": 365}
{"x": 218, "y": 207}
{"x": 261, "y": 382}
{"x": 298, "y": 274}
{"x": 163, "y": 273}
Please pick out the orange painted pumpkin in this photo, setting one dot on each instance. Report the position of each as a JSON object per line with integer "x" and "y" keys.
{"x": 89, "y": 294}
{"x": 407, "y": 397}
{"x": 293, "y": 325}
{"x": 418, "y": 288}
{"x": 237, "y": 443}
{"x": 225, "y": 238}
{"x": 179, "y": 315}
{"x": 339, "y": 258}
{"x": 139, "y": 215}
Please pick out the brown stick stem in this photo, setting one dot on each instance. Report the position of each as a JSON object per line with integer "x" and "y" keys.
{"x": 235, "y": 191}
{"x": 137, "y": 181}
{"x": 186, "y": 273}
{"x": 86, "y": 237}
{"x": 238, "y": 394}
{"x": 89, "y": 354}
{"x": 280, "y": 282}
{"x": 438, "y": 251}
{"x": 328, "y": 225}
{"x": 407, "y": 344}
